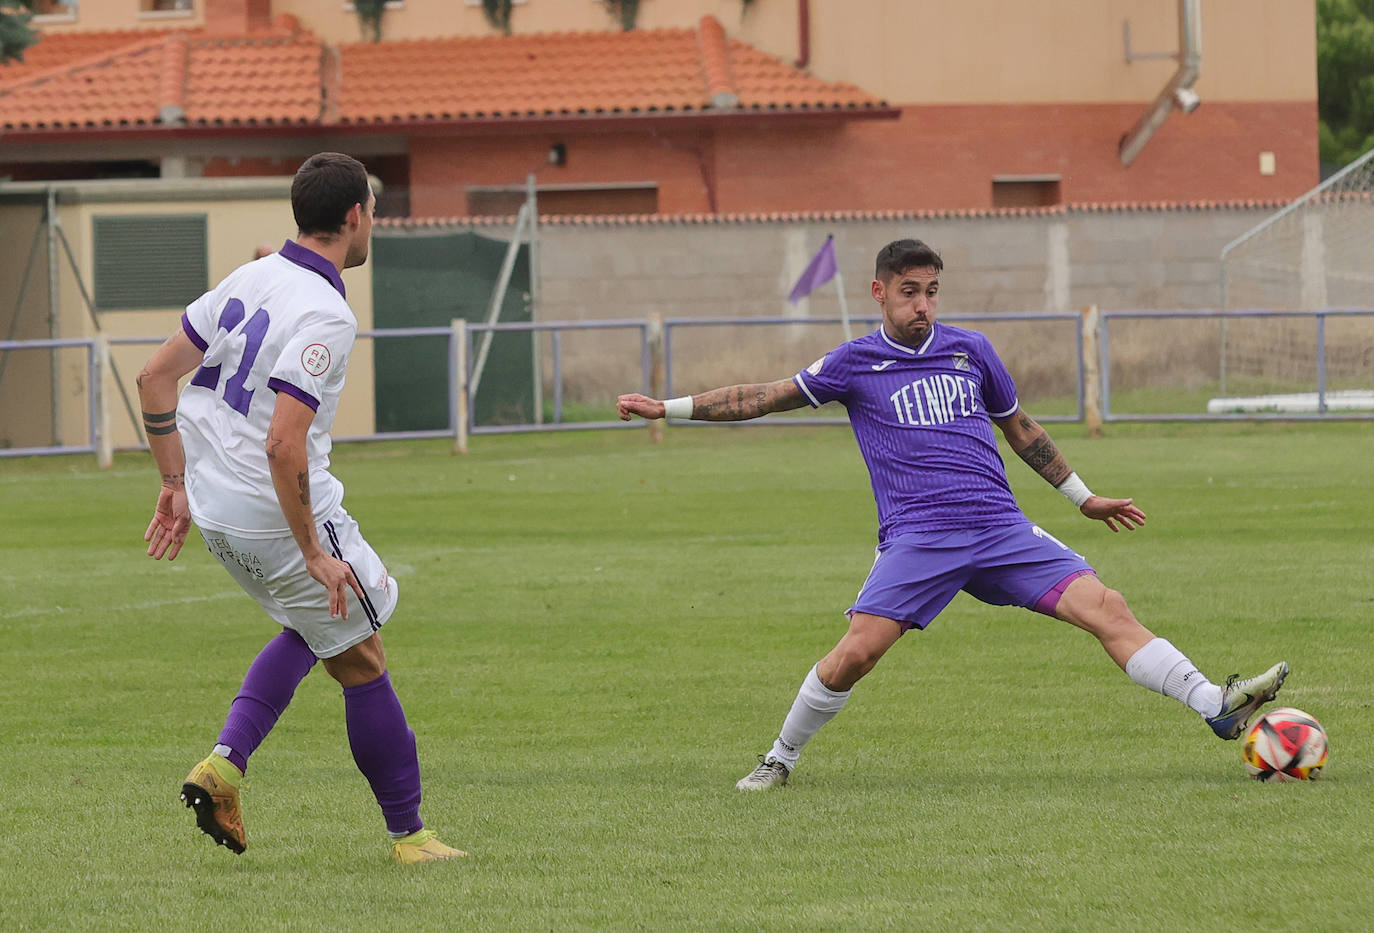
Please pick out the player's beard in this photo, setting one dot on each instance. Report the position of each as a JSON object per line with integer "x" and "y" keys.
{"x": 916, "y": 331}
{"x": 357, "y": 255}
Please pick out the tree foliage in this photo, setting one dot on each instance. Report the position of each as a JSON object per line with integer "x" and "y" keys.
{"x": 15, "y": 34}
{"x": 624, "y": 11}
{"x": 370, "y": 18}
{"x": 498, "y": 14}
{"x": 1345, "y": 78}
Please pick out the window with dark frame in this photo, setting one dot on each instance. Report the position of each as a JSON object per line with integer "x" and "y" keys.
{"x": 167, "y": 6}
{"x": 1025, "y": 190}
{"x": 499, "y": 201}
{"x": 55, "y": 10}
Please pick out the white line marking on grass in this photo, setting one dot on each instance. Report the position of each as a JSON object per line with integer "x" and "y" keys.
{"x": 82, "y": 474}
{"x": 122, "y": 607}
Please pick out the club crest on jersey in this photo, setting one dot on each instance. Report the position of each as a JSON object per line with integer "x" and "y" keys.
{"x": 315, "y": 359}
{"x": 815, "y": 368}
{"x": 961, "y": 361}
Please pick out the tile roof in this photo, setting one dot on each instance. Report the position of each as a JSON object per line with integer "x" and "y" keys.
{"x": 173, "y": 78}
{"x": 254, "y": 81}
{"x": 286, "y": 76}
{"x": 60, "y": 49}
{"x": 653, "y": 71}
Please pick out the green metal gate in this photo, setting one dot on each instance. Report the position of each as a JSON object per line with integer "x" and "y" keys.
{"x": 428, "y": 280}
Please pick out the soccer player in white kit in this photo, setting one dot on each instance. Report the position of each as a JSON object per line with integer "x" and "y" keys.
{"x": 923, "y": 398}
{"x": 244, "y": 452}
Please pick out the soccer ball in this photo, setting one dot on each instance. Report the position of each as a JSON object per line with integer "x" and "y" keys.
{"x": 1285, "y": 744}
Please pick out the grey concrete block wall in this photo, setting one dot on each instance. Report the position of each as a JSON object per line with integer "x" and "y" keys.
{"x": 1127, "y": 259}
{"x": 1055, "y": 260}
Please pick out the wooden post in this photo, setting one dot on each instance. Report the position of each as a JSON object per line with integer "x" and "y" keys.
{"x": 1092, "y": 370}
{"x": 657, "y": 372}
{"x": 459, "y": 401}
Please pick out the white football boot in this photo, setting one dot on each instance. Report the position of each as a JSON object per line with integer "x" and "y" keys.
{"x": 769, "y": 773}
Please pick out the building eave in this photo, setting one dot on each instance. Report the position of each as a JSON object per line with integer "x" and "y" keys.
{"x": 459, "y": 126}
{"x": 622, "y": 122}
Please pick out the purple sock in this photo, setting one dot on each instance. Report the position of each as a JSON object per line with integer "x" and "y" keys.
{"x": 384, "y": 748}
{"x": 267, "y": 688}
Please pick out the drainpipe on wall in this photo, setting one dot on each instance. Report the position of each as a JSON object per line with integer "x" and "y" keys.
{"x": 1179, "y": 91}
{"x": 803, "y": 34}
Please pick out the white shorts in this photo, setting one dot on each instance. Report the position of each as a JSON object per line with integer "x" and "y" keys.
{"x": 272, "y": 571}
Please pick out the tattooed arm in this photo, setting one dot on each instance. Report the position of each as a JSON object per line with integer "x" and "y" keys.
{"x": 729, "y": 403}
{"x": 157, "y": 392}
{"x": 287, "y": 457}
{"x": 1033, "y": 445}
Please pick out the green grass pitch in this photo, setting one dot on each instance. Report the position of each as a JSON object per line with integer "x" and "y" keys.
{"x": 598, "y": 635}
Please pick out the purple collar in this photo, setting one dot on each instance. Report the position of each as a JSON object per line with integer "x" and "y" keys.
{"x": 309, "y": 259}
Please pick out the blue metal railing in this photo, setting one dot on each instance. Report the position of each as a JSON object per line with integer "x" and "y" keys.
{"x": 645, "y": 331}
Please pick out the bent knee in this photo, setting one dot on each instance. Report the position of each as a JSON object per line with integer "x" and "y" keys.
{"x": 1111, "y": 615}
{"x": 360, "y": 664}
{"x": 1090, "y": 604}
{"x": 1114, "y": 605}
{"x": 854, "y": 659}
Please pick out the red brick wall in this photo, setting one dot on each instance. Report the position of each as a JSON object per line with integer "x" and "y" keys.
{"x": 235, "y": 17}
{"x": 946, "y": 157}
{"x": 932, "y": 158}
{"x": 441, "y": 168}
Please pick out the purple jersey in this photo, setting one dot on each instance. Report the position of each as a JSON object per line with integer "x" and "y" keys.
{"x": 922, "y": 419}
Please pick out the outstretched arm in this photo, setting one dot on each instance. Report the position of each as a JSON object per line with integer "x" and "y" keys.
{"x": 1033, "y": 445}
{"x": 729, "y": 403}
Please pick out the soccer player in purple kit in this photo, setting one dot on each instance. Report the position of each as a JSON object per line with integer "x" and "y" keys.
{"x": 244, "y": 452}
{"x": 922, "y": 399}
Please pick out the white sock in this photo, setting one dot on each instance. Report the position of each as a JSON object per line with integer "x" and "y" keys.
{"x": 1161, "y": 667}
{"x": 223, "y": 751}
{"x": 815, "y": 705}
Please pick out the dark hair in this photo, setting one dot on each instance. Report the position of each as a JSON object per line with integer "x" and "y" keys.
{"x": 901, "y": 255}
{"x": 324, "y": 189}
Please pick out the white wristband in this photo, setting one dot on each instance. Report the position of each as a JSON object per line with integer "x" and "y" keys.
{"x": 1074, "y": 490}
{"x": 678, "y": 407}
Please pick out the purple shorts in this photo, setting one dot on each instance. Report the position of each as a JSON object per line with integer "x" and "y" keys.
{"x": 916, "y": 575}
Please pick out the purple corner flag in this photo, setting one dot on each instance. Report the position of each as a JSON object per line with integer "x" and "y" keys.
{"x": 821, "y": 269}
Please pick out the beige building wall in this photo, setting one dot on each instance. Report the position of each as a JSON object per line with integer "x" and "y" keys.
{"x": 770, "y": 24}
{"x": 991, "y": 51}
{"x": 905, "y": 51}
{"x": 240, "y": 214}
{"x": 24, "y": 315}
{"x": 118, "y": 14}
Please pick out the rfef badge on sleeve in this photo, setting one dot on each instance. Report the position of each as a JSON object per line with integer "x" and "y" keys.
{"x": 315, "y": 359}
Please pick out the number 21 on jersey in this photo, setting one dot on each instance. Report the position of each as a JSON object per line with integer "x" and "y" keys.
{"x": 207, "y": 377}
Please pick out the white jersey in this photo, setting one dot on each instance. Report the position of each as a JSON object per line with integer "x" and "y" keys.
{"x": 278, "y": 324}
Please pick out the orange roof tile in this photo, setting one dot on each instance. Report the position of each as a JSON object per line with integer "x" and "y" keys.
{"x": 61, "y": 49}
{"x": 254, "y": 81}
{"x": 638, "y": 72}
{"x": 177, "y": 78}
